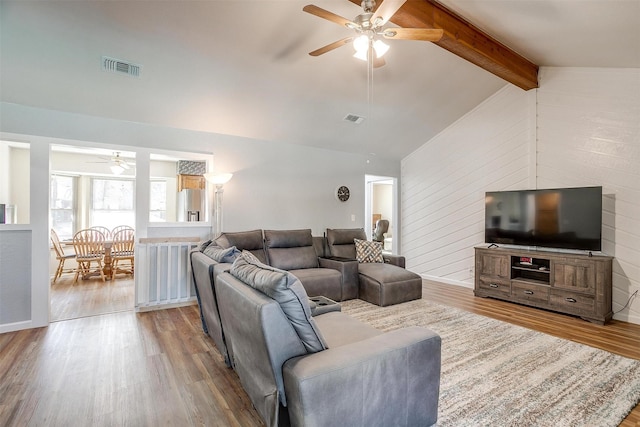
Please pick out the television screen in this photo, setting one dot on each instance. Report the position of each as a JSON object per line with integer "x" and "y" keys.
{"x": 567, "y": 218}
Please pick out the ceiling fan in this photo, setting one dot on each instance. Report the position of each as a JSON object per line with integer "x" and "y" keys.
{"x": 117, "y": 163}
{"x": 369, "y": 28}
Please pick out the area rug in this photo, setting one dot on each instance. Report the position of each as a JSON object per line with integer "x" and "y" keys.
{"x": 498, "y": 374}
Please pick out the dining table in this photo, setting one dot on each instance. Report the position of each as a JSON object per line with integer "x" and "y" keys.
{"x": 107, "y": 261}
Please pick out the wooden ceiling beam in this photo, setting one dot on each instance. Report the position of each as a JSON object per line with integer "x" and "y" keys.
{"x": 467, "y": 41}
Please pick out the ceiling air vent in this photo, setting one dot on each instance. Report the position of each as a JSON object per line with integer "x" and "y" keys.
{"x": 354, "y": 119}
{"x": 122, "y": 67}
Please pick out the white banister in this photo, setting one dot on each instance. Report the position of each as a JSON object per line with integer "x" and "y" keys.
{"x": 163, "y": 273}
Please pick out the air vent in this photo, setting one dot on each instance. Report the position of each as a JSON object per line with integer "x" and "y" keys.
{"x": 190, "y": 167}
{"x": 122, "y": 67}
{"x": 354, "y": 119}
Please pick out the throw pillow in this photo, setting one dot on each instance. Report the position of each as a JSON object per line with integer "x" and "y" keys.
{"x": 287, "y": 290}
{"x": 368, "y": 251}
{"x": 219, "y": 254}
{"x": 204, "y": 245}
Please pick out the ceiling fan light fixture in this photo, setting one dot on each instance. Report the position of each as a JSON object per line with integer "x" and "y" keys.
{"x": 362, "y": 55}
{"x": 380, "y": 47}
{"x": 116, "y": 169}
{"x": 361, "y": 44}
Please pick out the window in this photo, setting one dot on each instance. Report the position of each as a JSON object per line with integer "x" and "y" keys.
{"x": 63, "y": 205}
{"x": 112, "y": 202}
{"x": 158, "y": 201}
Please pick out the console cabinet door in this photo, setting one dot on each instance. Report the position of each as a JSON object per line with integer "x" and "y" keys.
{"x": 493, "y": 265}
{"x": 574, "y": 274}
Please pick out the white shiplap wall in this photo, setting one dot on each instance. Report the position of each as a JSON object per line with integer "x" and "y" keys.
{"x": 444, "y": 181}
{"x": 589, "y": 134}
{"x": 581, "y": 127}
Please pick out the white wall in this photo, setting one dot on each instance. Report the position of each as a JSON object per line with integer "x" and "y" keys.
{"x": 589, "y": 134}
{"x": 581, "y": 127}
{"x": 444, "y": 181}
{"x": 4, "y": 172}
{"x": 274, "y": 185}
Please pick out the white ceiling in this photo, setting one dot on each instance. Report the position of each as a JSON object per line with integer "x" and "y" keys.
{"x": 241, "y": 67}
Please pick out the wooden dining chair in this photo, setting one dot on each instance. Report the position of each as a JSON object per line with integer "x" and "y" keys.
{"x": 103, "y": 230}
{"x": 120, "y": 227}
{"x": 89, "y": 247}
{"x": 61, "y": 257}
{"x": 122, "y": 251}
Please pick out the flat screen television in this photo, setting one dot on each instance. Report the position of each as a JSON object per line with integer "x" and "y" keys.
{"x": 566, "y": 218}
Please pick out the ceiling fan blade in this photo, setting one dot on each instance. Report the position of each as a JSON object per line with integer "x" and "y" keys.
{"x": 378, "y": 62}
{"x": 387, "y": 9}
{"x": 425, "y": 34}
{"x": 329, "y": 16}
{"x": 331, "y": 46}
{"x": 124, "y": 165}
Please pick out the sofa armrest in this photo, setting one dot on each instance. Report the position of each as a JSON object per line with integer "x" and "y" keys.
{"x": 349, "y": 270}
{"x": 398, "y": 260}
{"x": 389, "y": 379}
{"x": 321, "y": 305}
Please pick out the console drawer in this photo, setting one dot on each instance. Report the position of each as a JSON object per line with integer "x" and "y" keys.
{"x": 524, "y": 291}
{"x": 572, "y": 302}
{"x": 495, "y": 287}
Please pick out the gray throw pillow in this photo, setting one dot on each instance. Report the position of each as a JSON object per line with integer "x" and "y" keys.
{"x": 287, "y": 290}
{"x": 221, "y": 254}
{"x": 204, "y": 245}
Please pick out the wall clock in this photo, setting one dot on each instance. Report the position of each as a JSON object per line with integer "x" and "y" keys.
{"x": 342, "y": 193}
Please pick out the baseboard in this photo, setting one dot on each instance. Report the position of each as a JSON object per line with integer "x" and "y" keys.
{"x": 142, "y": 309}
{"x": 17, "y": 326}
{"x": 447, "y": 281}
{"x": 626, "y": 317}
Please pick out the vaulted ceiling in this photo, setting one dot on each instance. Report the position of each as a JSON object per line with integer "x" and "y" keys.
{"x": 242, "y": 67}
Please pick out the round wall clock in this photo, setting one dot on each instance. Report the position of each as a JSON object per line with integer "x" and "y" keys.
{"x": 342, "y": 193}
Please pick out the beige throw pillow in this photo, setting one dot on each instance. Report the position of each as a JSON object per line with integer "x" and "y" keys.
{"x": 368, "y": 251}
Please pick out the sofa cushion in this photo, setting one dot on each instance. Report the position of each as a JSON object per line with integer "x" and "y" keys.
{"x": 291, "y": 249}
{"x": 368, "y": 251}
{"x": 220, "y": 254}
{"x": 287, "y": 290}
{"x": 341, "y": 329}
{"x": 321, "y": 282}
{"x": 340, "y": 241}
{"x": 386, "y": 273}
{"x": 251, "y": 241}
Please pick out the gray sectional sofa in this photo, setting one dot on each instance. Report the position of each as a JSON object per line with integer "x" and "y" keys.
{"x": 285, "y": 381}
{"x": 322, "y": 370}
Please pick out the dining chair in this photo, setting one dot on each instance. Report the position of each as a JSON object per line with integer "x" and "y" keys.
{"x": 122, "y": 250}
{"x": 103, "y": 230}
{"x": 120, "y": 227}
{"x": 61, "y": 257}
{"x": 89, "y": 247}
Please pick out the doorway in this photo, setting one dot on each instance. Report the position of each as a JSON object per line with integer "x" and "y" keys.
{"x": 381, "y": 202}
{"x": 89, "y": 187}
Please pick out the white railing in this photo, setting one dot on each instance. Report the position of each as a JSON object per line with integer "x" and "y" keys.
{"x": 163, "y": 273}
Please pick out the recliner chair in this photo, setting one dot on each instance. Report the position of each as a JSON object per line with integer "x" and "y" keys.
{"x": 382, "y": 226}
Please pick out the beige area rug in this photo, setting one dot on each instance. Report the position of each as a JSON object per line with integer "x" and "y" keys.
{"x": 498, "y": 374}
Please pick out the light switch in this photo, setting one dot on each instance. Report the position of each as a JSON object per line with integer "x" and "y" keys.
{"x": 353, "y": 217}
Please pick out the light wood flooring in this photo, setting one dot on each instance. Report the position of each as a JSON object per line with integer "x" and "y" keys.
{"x": 90, "y": 297}
{"x": 158, "y": 368}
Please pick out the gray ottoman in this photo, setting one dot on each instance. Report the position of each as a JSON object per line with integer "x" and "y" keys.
{"x": 387, "y": 284}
